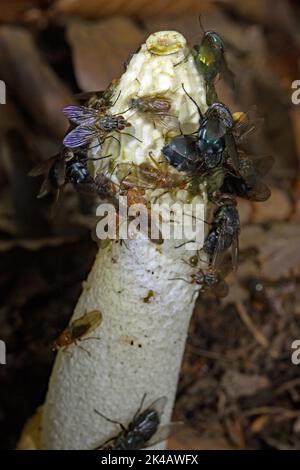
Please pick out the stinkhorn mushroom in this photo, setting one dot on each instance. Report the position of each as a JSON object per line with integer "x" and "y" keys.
{"x": 138, "y": 285}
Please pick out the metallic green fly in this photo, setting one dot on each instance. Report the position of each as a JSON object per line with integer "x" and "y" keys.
{"x": 210, "y": 59}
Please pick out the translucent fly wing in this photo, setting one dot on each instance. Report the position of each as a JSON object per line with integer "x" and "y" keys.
{"x": 43, "y": 167}
{"x": 220, "y": 252}
{"x": 182, "y": 152}
{"x": 80, "y": 114}
{"x": 263, "y": 164}
{"x": 217, "y": 256}
{"x": 252, "y": 170}
{"x": 152, "y": 105}
{"x": 226, "y": 266}
{"x": 94, "y": 318}
{"x": 161, "y": 105}
{"x": 232, "y": 150}
{"x": 80, "y": 136}
{"x": 215, "y": 127}
{"x": 259, "y": 193}
{"x": 235, "y": 251}
{"x": 166, "y": 121}
{"x": 164, "y": 433}
{"x": 86, "y": 324}
{"x": 61, "y": 172}
{"x": 158, "y": 405}
{"x": 246, "y": 123}
{"x": 226, "y": 73}
{"x": 45, "y": 189}
{"x": 39, "y": 169}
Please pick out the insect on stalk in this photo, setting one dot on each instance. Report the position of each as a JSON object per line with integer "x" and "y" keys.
{"x": 78, "y": 330}
{"x": 142, "y": 431}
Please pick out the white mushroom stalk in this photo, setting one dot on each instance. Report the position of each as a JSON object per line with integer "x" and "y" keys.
{"x": 136, "y": 285}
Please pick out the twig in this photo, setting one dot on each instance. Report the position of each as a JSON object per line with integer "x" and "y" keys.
{"x": 271, "y": 410}
{"x": 260, "y": 338}
{"x": 287, "y": 386}
{"x": 207, "y": 354}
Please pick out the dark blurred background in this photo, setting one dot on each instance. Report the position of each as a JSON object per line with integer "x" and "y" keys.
{"x": 238, "y": 387}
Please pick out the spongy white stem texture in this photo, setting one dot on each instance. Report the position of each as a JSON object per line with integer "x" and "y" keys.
{"x": 142, "y": 337}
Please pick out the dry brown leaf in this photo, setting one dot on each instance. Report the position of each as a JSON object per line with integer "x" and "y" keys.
{"x": 144, "y": 8}
{"x": 29, "y": 213}
{"x": 98, "y": 52}
{"x": 237, "y": 293}
{"x": 13, "y": 10}
{"x": 33, "y": 82}
{"x": 7, "y": 220}
{"x": 259, "y": 423}
{"x": 278, "y": 247}
{"x": 252, "y": 236}
{"x": 280, "y": 253}
{"x": 236, "y": 433}
{"x": 189, "y": 439}
{"x": 245, "y": 209}
{"x": 239, "y": 385}
{"x": 35, "y": 244}
{"x": 277, "y": 207}
{"x": 296, "y": 427}
{"x": 282, "y": 17}
{"x": 31, "y": 434}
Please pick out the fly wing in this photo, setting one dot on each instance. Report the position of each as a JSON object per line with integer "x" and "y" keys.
{"x": 61, "y": 172}
{"x": 220, "y": 253}
{"x": 235, "y": 251}
{"x": 259, "y": 193}
{"x": 247, "y": 123}
{"x": 232, "y": 150}
{"x": 263, "y": 164}
{"x": 80, "y": 136}
{"x": 44, "y": 189}
{"x": 252, "y": 169}
{"x": 94, "y": 318}
{"x": 215, "y": 127}
{"x": 158, "y": 405}
{"x": 86, "y": 324}
{"x": 43, "y": 167}
{"x": 167, "y": 121}
{"x": 159, "y": 105}
{"x": 226, "y": 266}
{"x": 80, "y": 114}
{"x": 226, "y": 73}
{"x": 164, "y": 432}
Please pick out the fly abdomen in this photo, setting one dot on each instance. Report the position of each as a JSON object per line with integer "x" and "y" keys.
{"x": 210, "y": 242}
{"x": 77, "y": 173}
